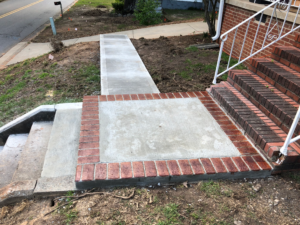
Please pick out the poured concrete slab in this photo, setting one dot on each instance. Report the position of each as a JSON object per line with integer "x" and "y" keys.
{"x": 160, "y": 129}
{"x": 9, "y": 157}
{"x": 76, "y": 105}
{"x": 16, "y": 191}
{"x": 48, "y": 185}
{"x": 61, "y": 156}
{"x": 122, "y": 70}
{"x": 32, "y": 157}
{"x": 32, "y": 50}
{"x": 11, "y": 53}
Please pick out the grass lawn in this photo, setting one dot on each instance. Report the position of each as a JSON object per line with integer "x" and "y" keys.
{"x": 94, "y": 3}
{"x": 73, "y": 73}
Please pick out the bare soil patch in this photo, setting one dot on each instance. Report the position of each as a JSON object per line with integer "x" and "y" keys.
{"x": 174, "y": 66}
{"x": 212, "y": 202}
{"x": 84, "y": 21}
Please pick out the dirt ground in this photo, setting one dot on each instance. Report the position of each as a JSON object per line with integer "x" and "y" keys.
{"x": 83, "y": 21}
{"x": 273, "y": 200}
{"x": 174, "y": 66}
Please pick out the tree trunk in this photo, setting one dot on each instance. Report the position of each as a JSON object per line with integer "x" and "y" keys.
{"x": 210, "y": 15}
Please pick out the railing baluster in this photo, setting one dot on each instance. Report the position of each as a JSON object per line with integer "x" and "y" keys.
{"x": 232, "y": 47}
{"x": 269, "y": 25}
{"x": 244, "y": 41}
{"x": 219, "y": 60}
{"x": 257, "y": 31}
{"x": 288, "y": 141}
{"x": 287, "y": 12}
{"x": 296, "y": 17}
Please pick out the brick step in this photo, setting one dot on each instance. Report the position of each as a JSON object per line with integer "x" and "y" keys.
{"x": 277, "y": 74}
{"x": 276, "y": 105}
{"x": 267, "y": 136}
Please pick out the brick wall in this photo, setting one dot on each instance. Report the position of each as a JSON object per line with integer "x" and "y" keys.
{"x": 234, "y": 15}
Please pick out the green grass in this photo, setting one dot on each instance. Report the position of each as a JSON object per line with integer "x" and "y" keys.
{"x": 14, "y": 82}
{"x": 192, "y": 48}
{"x": 171, "y": 214}
{"x": 91, "y": 73}
{"x": 121, "y": 26}
{"x": 43, "y": 75}
{"x": 185, "y": 75}
{"x": 95, "y": 3}
{"x": 10, "y": 93}
{"x": 211, "y": 188}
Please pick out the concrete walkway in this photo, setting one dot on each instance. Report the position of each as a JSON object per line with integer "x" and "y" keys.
{"x": 24, "y": 51}
{"x": 122, "y": 69}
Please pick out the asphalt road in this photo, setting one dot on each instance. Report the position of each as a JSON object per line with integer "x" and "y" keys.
{"x": 21, "y": 18}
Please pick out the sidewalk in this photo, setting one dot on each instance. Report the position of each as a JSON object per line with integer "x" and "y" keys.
{"x": 24, "y": 51}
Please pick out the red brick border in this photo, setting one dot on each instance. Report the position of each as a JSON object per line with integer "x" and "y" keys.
{"x": 90, "y": 169}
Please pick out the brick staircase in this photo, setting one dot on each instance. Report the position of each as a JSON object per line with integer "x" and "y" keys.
{"x": 264, "y": 100}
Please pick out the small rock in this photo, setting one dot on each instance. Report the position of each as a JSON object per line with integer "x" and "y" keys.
{"x": 276, "y": 202}
{"x": 257, "y": 187}
{"x": 237, "y": 223}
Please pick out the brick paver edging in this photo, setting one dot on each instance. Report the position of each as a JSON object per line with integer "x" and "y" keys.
{"x": 90, "y": 172}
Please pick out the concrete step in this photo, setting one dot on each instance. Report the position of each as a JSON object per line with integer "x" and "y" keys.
{"x": 33, "y": 155}
{"x": 61, "y": 156}
{"x": 9, "y": 157}
{"x": 260, "y": 128}
{"x": 272, "y": 102}
{"x": 281, "y": 76}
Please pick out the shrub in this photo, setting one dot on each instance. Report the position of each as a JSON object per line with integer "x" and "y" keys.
{"x": 118, "y": 5}
{"x": 145, "y": 12}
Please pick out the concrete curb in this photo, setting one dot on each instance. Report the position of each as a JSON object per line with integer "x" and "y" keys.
{"x": 12, "y": 53}
{"x": 41, "y": 113}
{"x": 23, "y": 123}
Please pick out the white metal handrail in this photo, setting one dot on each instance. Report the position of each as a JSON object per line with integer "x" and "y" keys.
{"x": 293, "y": 2}
{"x": 289, "y": 140}
{"x": 220, "y": 17}
{"x": 278, "y": 5}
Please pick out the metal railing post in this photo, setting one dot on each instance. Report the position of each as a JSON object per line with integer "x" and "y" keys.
{"x": 219, "y": 60}
{"x": 283, "y": 149}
